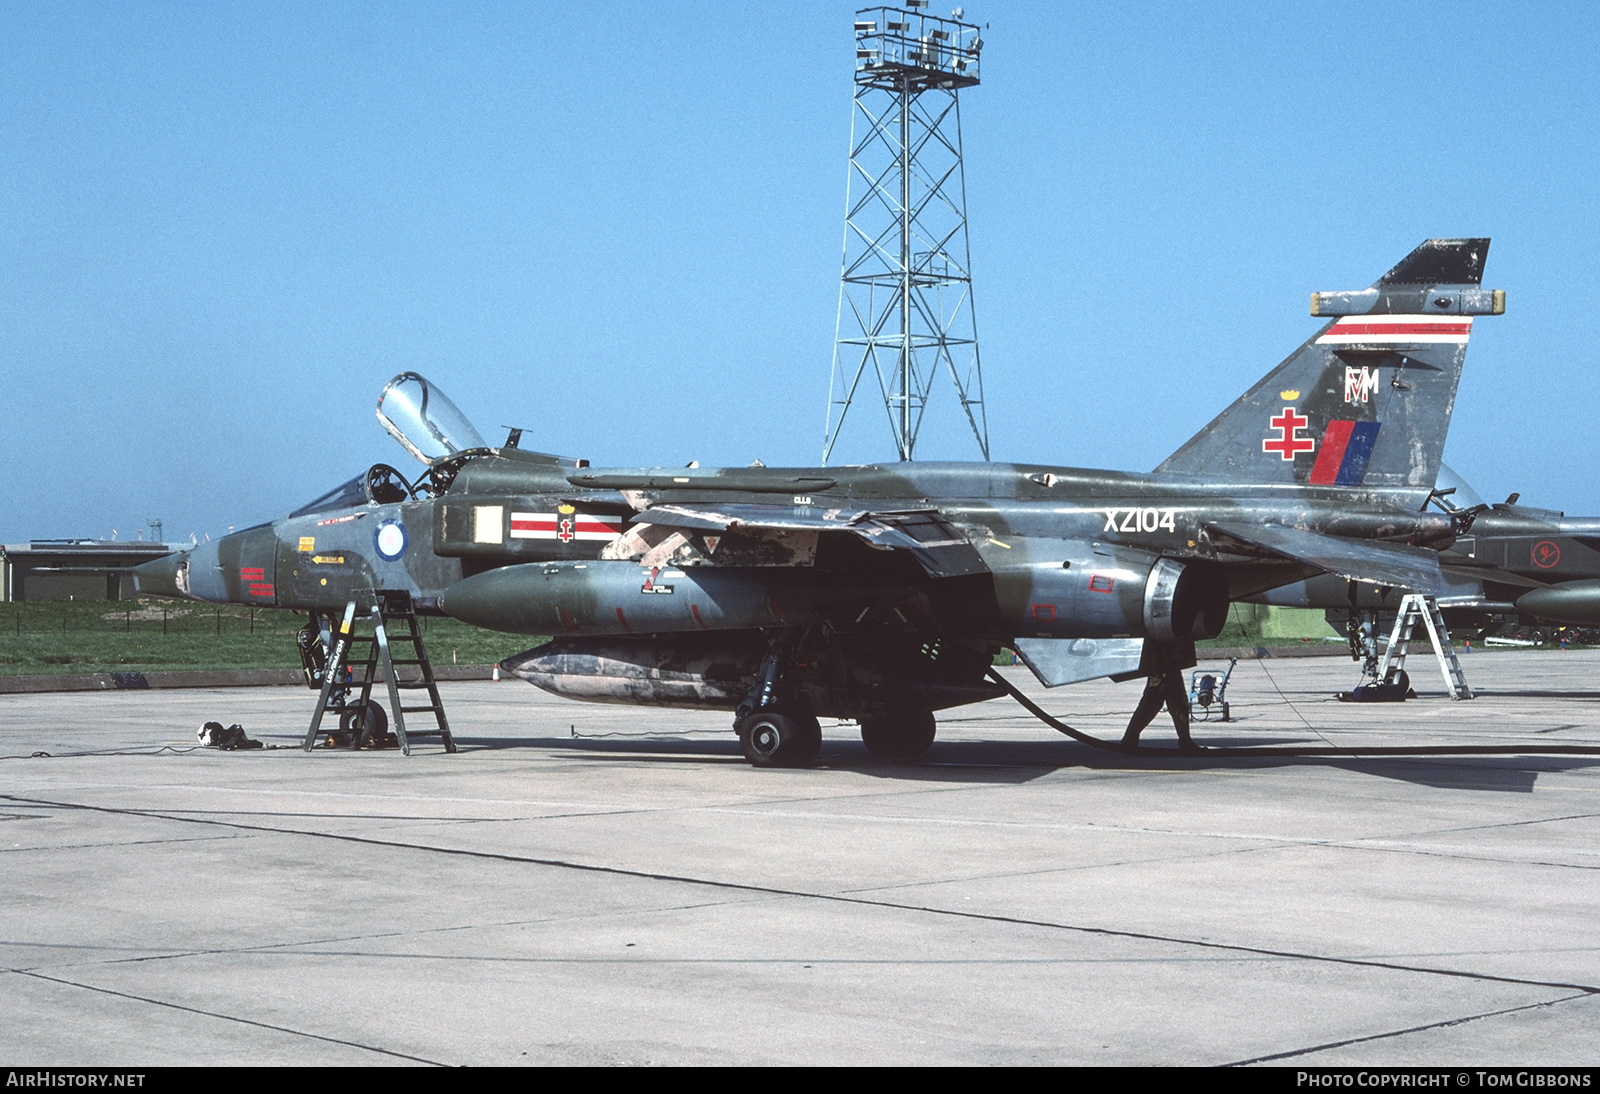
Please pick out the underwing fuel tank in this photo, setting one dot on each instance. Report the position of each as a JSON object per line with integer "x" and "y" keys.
{"x": 846, "y": 677}
{"x": 1569, "y": 602}
{"x": 705, "y": 672}
{"x": 620, "y": 597}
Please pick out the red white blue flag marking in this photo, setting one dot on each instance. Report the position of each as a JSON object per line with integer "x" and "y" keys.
{"x": 1346, "y": 450}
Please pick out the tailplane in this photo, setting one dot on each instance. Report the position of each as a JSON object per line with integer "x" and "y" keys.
{"x": 1366, "y": 400}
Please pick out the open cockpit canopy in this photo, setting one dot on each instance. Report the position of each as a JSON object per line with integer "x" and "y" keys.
{"x": 1460, "y": 493}
{"x": 424, "y": 421}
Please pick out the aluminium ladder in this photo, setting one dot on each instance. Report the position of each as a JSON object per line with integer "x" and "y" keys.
{"x": 1414, "y": 609}
{"x": 389, "y": 607}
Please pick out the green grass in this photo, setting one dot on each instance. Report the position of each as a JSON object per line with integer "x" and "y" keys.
{"x": 40, "y": 637}
{"x": 1239, "y": 633}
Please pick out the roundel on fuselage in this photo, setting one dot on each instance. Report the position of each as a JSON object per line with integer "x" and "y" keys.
{"x": 389, "y": 540}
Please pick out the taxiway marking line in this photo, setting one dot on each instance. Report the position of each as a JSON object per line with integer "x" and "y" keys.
{"x": 1257, "y": 841}
{"x": 1351, "y": 842}
{"x": 1402, "y": 1032}
{"x": 836, "y": 898}
{"x": 227, "y": 1017}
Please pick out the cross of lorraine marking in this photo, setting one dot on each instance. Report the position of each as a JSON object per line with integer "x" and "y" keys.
{"x": 565, "y": 534}
{"x": 1288, "y": 442}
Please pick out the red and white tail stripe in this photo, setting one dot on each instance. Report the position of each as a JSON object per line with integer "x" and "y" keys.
{"x": 1397, "y": 329}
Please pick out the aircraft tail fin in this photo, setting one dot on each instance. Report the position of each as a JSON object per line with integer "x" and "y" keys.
{"x": 1366, "y": 400}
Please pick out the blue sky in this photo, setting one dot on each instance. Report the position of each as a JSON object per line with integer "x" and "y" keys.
{"x": 224, "y": 227}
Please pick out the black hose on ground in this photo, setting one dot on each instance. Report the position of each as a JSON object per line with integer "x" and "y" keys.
{"x": 1294, "y": 750}
{"x": 1053, "y": 723}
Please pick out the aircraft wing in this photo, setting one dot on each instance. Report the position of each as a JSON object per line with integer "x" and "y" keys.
{"x": 938, "y": 546}
{"x": 1395, "y": 564}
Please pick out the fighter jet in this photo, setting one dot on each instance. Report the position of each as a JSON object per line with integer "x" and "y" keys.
{"x": 1537, "y": 565}
{"x": 881, "y": 593}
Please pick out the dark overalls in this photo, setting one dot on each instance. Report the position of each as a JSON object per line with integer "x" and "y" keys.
{"x": 1163, "y": 688}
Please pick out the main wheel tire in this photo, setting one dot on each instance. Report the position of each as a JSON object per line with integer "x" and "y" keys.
{"x": 780, "y": 740}
{"x": 899, "y": 737}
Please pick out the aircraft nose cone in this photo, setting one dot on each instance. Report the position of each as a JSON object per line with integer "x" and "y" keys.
{"x": 195, "y": 574}
{"x": 167, "y": 576}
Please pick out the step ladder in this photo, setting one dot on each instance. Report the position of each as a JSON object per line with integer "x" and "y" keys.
{"x": 348, "y": 696}
{"x": 1415, "y": 609}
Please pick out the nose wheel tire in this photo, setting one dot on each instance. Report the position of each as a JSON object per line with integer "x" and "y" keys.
{"x": 364, "y": 726}
{"x": 900, "y": 736}
{"x": 780, "y": 740}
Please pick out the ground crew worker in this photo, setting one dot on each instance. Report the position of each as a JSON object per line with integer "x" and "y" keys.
{"x": 1164, "y": 686}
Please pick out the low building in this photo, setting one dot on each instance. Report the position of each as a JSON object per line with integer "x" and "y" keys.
{"x": 73, "y": 569}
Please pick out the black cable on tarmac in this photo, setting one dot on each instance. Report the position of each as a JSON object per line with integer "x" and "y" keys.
{"x": 1291, "y": 750}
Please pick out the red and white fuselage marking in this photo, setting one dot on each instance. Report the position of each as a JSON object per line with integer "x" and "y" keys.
{"x": 565, "y": 527}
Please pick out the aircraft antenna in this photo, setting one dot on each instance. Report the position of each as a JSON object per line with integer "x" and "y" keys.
{"x": 905, "y": 293}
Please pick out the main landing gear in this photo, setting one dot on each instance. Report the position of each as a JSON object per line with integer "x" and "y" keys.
{"x": 770, "y": 734}
{"x": 772, "y": 739}
{"x": 776, "y": 731}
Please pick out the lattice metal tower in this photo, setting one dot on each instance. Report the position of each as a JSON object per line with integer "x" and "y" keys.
{"x": 905, "y": 296}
